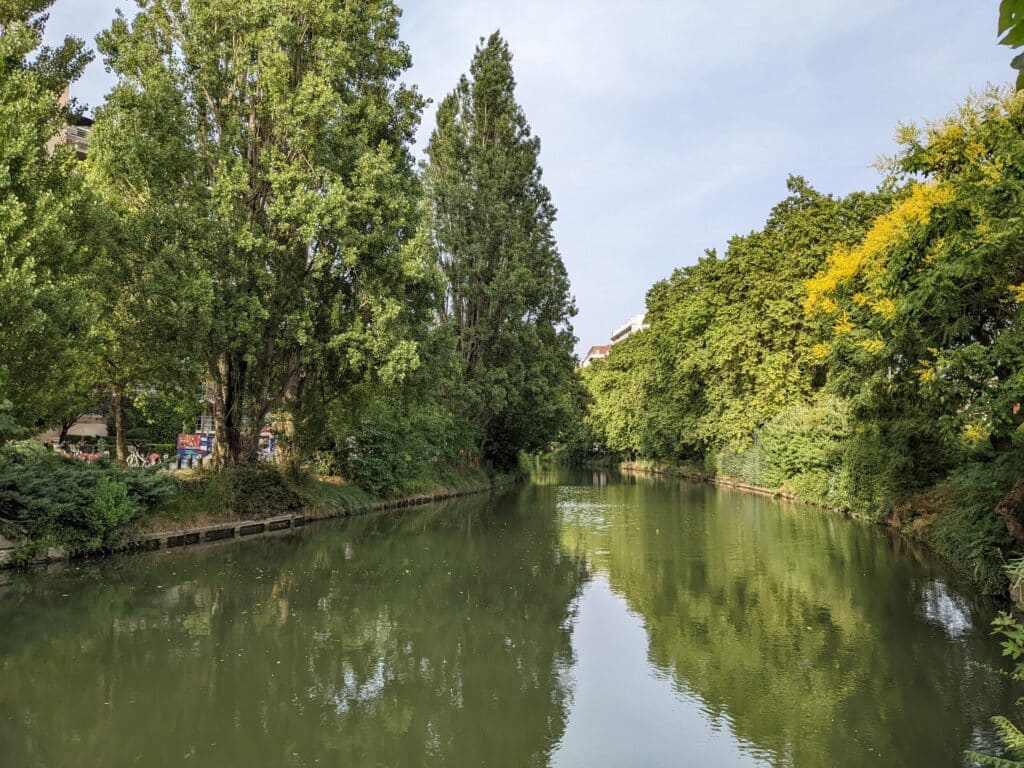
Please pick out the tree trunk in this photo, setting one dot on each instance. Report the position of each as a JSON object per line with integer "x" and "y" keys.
{"x": 1011, "y": 509}
{"x": 232, "y": 445}
{"x": 237, "y": 439}
{"x": 287, "y": 430}
{"x": 120, "y": 448}
{"x": 287, "y": 445}
{"x": 66, "y": 424}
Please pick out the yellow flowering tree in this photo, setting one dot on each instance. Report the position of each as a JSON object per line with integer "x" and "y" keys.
{"x": 926, "y": 309}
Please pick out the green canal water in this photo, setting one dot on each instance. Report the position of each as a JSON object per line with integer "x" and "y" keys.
{"x": 579, "y": 620}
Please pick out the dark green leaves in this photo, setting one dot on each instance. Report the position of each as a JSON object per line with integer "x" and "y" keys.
{"x": 1011, "y": 30}
{"x": 506, "y": 289}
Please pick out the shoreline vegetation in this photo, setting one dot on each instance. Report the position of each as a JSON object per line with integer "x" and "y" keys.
{"x": 238, "y": 255}
{"x": 915, "y": 518}
{"x": 238, "y": 252}
{"x": 200, "y": 506}
{"x": 857, "y": 352}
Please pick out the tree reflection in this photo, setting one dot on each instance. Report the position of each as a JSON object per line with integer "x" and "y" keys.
{"x": 438, "y": 637}
{"x": 808, "y": 632}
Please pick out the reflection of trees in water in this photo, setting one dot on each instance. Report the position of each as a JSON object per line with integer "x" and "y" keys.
{"x": 439, "y": 637}
{"x": 804, "y": 629}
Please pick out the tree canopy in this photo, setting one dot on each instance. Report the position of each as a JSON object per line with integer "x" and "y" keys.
{"x": 506, "y": 291}
{"x": 45, "y": 248}
{"x": 249, "y": 221}
{"x": 270, "y": 141}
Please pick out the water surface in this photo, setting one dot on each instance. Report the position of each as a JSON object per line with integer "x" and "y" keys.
{"x": 581, "y": 620}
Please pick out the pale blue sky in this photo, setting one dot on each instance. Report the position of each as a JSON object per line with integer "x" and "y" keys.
{"x": 667, "y": 125}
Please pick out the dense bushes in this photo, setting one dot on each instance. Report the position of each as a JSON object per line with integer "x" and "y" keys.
{"x": 391, "y": 450}
{"x": 967, "y": 532}
{"x": 801, "y": 450}
{"x": 855, "y": 351}
{"x": 53, "y": 501}
{"x": 256, "y": 490}
{"x": 156, "y": 418}
{"x": 886, "y": 460}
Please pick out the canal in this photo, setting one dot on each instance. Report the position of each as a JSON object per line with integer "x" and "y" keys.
{"x": 580, "y": 620}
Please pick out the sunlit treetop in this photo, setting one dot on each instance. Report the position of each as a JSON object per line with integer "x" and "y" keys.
{"x": 865, "y": 262}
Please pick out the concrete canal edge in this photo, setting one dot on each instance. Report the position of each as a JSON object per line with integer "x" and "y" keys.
{"x": 247, "y": 529}
{"x": 721, "y": 481}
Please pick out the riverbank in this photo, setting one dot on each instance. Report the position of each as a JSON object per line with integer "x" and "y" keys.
{"x": 204, "y": 506}
{"x": 677, "y": 596}
{"x": 938, "y": 518}
{"x": 724, "y": 481}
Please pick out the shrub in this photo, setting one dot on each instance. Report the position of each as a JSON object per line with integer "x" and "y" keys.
{"x": 887, "y": 461}
{"x": 972, "y": 535}
{"x": 747, "y": 464}
{"x": 105, "y": 519}
{"x": 51, "y": 500}
{"x": 390, "y": 452}
{"x": 803, "y": 445}
{"x": 259, "y": 490}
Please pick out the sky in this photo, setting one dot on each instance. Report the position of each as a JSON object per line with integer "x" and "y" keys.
{"x": 667, "y": 126}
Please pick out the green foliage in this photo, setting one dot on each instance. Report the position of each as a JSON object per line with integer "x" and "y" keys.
{"x": 53, "y": 501}
{"x": 259, "y": 489}
{"x": 384, "y": 453}
{"x": 1008, "y": 732}
{"x": 158, "y": 417}
{"x": 1015, "y": 573}
{"x": 288, "y": 229}
{"x": 805, "y": 438}
{"x": 9, "y": 428}
{"x": 506, "y": 289}
{"x": 925, "y": 312}
{"x": 887, "y": 460}
{"x": 110, "y": 511}
{"x": 747, "y": 463}
{"x": 969, "y": 534}
{"x": 391, "y": 446}
{"x": 249, "y": 217}
{"x": 579, "y": 441}
{"x": 804, "y": 448}
{"x": 45, "y": 309}
{"x": 1011, "y": 31}
{"x": 729, "y": 347}
{"x": 855, "y": 352}
{"x": 801, "y": 451}
{"x": 1012, "y": 644}
{"x": 398, "y": 435}
{"x": 615, "y": 387}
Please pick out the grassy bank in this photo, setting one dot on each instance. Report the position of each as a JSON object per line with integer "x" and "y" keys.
{"x": 47, "y": 501}
{"x": 261, "y": 491}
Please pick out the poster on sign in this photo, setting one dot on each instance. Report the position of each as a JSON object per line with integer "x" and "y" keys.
{"x": 194, "y": 445}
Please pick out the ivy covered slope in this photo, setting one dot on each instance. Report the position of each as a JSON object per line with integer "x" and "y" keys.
{"x": 864, "y": 353}
{"x": 249, "y": 221}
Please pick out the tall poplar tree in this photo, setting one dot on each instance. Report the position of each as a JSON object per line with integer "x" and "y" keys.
{"x": 271, "y": 137}
{"x": 44, "y": 316}
{"x": 507, "y": 292}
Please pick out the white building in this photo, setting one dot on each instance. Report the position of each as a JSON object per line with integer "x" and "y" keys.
{"x": 599, "y": 352}
{"x": 635, "y": 324}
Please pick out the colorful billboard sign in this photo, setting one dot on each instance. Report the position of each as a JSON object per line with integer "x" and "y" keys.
{"x": 194, "y": 445}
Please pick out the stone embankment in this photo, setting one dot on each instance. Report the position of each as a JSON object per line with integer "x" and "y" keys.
{"x": 242, "y": 529}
